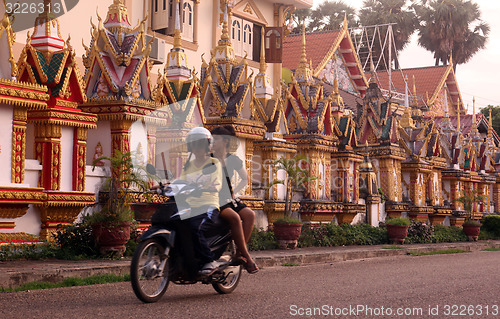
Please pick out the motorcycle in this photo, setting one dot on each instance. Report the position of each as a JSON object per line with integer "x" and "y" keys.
{"x": 165, "y": 251}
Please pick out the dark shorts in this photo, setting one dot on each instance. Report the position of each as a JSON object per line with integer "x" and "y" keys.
{"x": 237, "y": 205}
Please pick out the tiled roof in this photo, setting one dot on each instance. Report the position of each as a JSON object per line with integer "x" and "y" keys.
{"x": 427, "y": 80}
{"x": 317, "y": 46}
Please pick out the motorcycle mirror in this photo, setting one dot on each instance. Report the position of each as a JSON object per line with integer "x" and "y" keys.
{"x": 208, "y": 169}
{"x": 151, "y": 169}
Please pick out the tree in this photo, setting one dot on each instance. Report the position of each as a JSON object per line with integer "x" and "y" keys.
{"x": 451, "y": 28}
{"x": 300, "y": 17}
{"x": 469, "y": 199}
{"x": 378, "y": 12}
{"x": 329, "y": 15}
{"x": 495, "y": 116}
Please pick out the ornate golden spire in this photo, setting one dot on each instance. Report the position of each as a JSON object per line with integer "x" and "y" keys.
{"x": 474, "y": 130}
{"x": 176, "y": 67}
{"x": 47, "y": 34}
{"x": 414, "y": 97}
{"x": 303, "y": 74}
{"x": 263, "y": 65}
{"x": 490, "y": 126}
{"x": 224, "y": 52}
{"x": 262, "y": 82}
{"x": 117, "y": 16}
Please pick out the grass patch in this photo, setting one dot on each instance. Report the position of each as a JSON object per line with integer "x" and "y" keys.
{"x": 438, "y": 252}
{"x": 290, "y": 265}
{"x": 492, "y": 249}
{"x": 70, "y": 282}
{"x": 393, "y": 247}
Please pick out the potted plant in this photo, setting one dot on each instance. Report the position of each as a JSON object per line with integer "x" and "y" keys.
{"x": 287, "y": 229}
{"x": 397, "y": 229}
{"x": 111, "y": 223}
{"x": 471, "y": 226}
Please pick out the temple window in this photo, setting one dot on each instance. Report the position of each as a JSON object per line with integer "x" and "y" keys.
{"x": 187, "y": 21}
{"x": 164, "y": 15}
{"x": 245, "y": 38}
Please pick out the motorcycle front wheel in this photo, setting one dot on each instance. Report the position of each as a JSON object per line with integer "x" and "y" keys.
{"x": 149, "y": 271}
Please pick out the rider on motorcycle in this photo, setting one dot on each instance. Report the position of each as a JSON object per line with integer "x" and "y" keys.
{"x": 204, "y": 207}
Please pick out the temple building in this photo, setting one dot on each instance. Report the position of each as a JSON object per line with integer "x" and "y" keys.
{"x": 380, "y": 144}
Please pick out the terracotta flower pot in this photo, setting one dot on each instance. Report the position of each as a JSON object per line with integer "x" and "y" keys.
{"x": 396, "y": 233}
{"x": 111, "y": 238}
{"x": 287, "y": 234}
{"x": 472, "y": 231}
{"x": 143, "y": 211}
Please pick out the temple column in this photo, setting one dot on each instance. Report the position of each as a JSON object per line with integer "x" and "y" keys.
{"x": 249, "y": 150}
{"x": 387, "y": 178}
{"x": 196, "y": 21}
{"x": 151, "y": 145}
{"x": 79, "y": 158}
{"x": 48, "y": 153}
{"x": 18, "y": 144}
{"x": 120, "y": 139}
{"x": 496, "y": 195}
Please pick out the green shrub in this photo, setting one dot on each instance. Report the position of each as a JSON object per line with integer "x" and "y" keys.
{"x": 346, "y": 234}
{"x": 262, "y": 240}
{"x": 447, "y": 234}
{"x": 491, "y": 224}
{"x": 288, "y": 219}
{"x": 398, "y": 221}
{"x": 76, "y": 242}
{"x": 419, "y": 232}
{"x": 28, "y": 251}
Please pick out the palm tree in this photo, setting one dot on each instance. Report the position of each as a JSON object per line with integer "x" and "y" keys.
{"x": 378, "y": 12}
{"x": 301, "y": 17}
{"x": 469, "y": 200}
{"x": 296, "y": 177}
{"x": 329, "y": 15}
{"x": 451, "y": 28}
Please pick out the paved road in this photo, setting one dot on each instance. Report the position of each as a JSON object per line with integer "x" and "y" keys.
{"x": 371, "y": 288}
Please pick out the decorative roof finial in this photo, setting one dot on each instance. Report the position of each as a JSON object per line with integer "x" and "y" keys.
{"x": 415, "y": 99}
{"x": 177, "y": 31}
{"x": 490, "y": 125}
{"x": 303, "y": 73}
{"x": 474, "y": 124}
{"x": 303, "y": 56}
{"x": 263, "y": 65}
{"x": 47, "y": 34}
{"x": 176, "y": 67}
{"x": 224, "y": 52}
{"x": 118, "y": 16}
{"x": 262, "y": 82}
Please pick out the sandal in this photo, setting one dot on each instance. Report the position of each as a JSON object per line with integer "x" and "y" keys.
{"x": 238, "y": 260}
{"x": 251, "y": 268}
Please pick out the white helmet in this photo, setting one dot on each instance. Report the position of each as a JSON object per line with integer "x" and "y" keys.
{"x": 199, "y": 133}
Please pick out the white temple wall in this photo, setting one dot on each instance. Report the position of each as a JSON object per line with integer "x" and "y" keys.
{"x": 6, "y": 144}
{"x": 67, "y": 137}
{"x": 101, "y": 134}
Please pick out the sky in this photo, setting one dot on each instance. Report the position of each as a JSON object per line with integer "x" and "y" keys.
{"x": 475, "y": 78}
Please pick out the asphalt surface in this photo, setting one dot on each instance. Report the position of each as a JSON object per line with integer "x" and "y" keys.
{"x": 16, "y": 273}
{"x": 440, "y": 286}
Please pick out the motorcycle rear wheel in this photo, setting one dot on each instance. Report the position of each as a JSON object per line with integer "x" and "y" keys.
{"x": 233, "y": 274}
{"x": 149, "y": 271}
